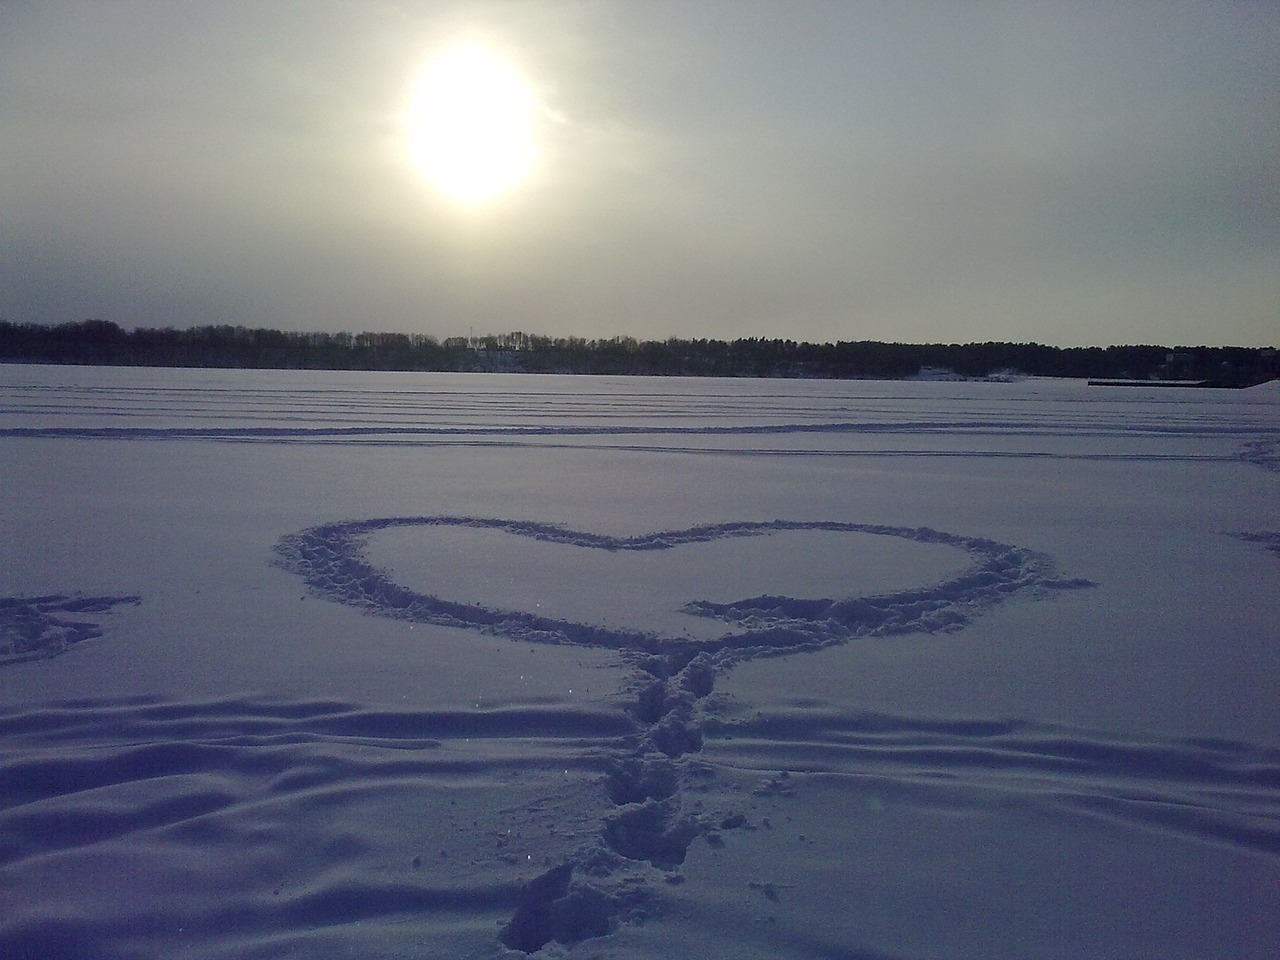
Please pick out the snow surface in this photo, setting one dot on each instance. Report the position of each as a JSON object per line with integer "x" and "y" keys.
{"x": 312, "y": 664}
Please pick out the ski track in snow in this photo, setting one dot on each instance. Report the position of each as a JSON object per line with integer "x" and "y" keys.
{"x": 1259, "y": 452}
{"x": 493, "y": 410}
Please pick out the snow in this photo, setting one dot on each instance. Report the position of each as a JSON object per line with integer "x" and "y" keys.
{"x": 335, "y": 664}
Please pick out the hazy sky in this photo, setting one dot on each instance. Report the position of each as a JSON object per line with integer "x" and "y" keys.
{"x": 1069, "y": 173}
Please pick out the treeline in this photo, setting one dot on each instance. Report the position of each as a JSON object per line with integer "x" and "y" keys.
{"x": 103, "y": 342}
{"x": 100, "y": 342}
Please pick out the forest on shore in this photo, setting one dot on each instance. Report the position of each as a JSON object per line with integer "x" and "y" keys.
{"x": 101, "y": 342}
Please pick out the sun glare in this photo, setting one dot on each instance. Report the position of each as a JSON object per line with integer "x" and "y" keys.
{"x": 471, "y": 124}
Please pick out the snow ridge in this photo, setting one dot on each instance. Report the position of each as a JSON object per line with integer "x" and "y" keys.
{"x": 230, "y": 780}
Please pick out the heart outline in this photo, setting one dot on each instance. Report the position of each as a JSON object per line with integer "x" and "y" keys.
{"x": 330, "y": 559}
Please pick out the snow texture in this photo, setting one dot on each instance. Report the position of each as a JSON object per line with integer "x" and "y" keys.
{"x": 323, "y": 665}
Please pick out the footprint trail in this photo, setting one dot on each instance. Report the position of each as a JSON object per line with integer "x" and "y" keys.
{"x": 653, "y": 823}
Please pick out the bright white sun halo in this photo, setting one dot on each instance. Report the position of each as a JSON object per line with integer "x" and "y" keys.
{"x": 471, "y": 124}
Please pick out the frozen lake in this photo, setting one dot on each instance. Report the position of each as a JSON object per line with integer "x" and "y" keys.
{"x": 329, "y": 664}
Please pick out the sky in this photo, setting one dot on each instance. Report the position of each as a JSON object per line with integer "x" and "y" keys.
{"x": 1069, "y": 173}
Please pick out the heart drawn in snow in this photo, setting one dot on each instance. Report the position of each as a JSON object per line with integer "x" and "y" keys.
{"x": 553, "y": 585}
{"x": 474, "y": 554}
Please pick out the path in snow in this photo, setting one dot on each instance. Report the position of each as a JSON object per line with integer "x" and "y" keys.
{"x": 651, "y": 822}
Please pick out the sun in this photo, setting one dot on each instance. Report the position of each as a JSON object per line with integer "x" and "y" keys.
{"x": 471, "y": 124}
